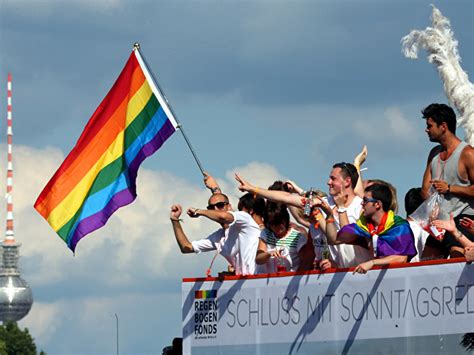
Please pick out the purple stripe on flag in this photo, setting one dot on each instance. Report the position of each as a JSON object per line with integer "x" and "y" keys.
{"x": 148, "y": 149}
{"x": 91, "y": 223}
{"x": 126, "y": 196}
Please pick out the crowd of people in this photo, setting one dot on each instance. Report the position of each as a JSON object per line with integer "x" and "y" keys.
{"x": 355, "y": 225}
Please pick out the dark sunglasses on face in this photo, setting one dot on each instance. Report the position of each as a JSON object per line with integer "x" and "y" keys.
{"x": 218, "y": 205}
{"x": 366, "y": 200}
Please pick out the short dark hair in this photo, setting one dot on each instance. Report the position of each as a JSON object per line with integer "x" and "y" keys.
{"x": 413, "y": 200}
{"x": 394, "y": 204}
{"x": 275, "y": 214}
{"x": 252, "y": 204}
{"x": 382, "y": 193}
{"x": 278, "y": 185}
{"x": 440, "y": 113}
{"x": 348, "y": 170}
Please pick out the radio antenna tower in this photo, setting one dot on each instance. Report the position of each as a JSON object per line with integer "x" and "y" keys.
{"x": 16, "y": 297}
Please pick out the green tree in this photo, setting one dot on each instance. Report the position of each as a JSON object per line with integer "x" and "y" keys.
{"x": 15, "y": 340}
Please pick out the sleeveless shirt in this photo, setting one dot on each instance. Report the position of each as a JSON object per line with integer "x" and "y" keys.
{"x": 447, "y": 170}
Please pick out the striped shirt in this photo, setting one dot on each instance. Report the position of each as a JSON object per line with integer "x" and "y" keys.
{"x": 291, "y": 244}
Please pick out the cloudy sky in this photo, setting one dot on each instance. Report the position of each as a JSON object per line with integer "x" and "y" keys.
{"x": 272, "y": 89}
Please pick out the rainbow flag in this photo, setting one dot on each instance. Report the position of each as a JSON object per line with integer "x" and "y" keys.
{"x": 99, "y": 174}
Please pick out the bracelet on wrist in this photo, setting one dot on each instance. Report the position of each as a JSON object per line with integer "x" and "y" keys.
{"x": 330, "y": 220}
{"x": 341, "y": 210}
{"x": 255, "y": 192}
{"x": 176, "y": 219}
{"x": 216, "y": 189}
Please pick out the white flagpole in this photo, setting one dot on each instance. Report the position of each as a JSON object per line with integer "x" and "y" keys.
{"x": 136, "y": 48}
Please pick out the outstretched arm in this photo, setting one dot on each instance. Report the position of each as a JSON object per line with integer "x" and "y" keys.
{"x": 183, "y": 242}
{"x": 211, "y": 184}
{"x": 272, "y": 195}
{"x": 222, "y": 217}
{"x": 450, "y": 226}
{"x": 358, "y": 161}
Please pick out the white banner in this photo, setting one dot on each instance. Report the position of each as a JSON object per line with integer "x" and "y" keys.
{"x": 332, "y": 308}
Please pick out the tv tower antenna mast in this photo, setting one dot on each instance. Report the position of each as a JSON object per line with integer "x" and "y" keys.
{"x": 9, "y": 235}
{"x": 16, "y": 297}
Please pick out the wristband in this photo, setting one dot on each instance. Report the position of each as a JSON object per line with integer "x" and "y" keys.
{"x": 330, "y": 220}
{"x": 176, "y": 219}
{"x": 341, "y": 210}
{"x": 255, "y": 192}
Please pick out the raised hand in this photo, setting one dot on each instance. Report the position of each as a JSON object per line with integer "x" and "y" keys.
{"x": 320, "y": 203}
{"x": 448, "y": 226}
{"x": 293, "y": 188}
{"x": 193, "y": 212}
{"x": 175, "y": 211}
{"x": 210, "y": 182}
{"x": 244, "y": 186}
{"x": 361, "y": 157}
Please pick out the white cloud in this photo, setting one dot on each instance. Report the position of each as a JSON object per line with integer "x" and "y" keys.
{"x": 137, "y": 245}
{"x": 44, "y": 320}
{"x": 391, "y": 125}
{"x": 137, "y": 239}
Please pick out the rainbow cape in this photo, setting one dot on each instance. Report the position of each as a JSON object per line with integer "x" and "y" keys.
{"x": 99, "y": 174}
{"x": 396, "y": 237}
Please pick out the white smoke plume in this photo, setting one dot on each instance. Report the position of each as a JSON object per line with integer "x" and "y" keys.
{"x": 442, "y": 50}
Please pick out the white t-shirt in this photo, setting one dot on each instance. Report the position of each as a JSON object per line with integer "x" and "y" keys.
{"x": 420, "y": 239}
{"x": 344, "y": 255}
{"x": 289, "y": 246}
{"x": 238, "y": 243}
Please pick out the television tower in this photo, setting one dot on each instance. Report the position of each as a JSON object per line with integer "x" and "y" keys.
{"x": 16, "y": 297}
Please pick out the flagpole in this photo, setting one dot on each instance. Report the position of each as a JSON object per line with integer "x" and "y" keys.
{"x": 136, "y": 46}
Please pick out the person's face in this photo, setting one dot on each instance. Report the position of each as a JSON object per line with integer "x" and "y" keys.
{"x": 218, "y": 203}
{"x": 279, "y": 230}
{"x": 435, "y": 131}
{"x": 336, "y": 181}
{"x": 369, "y": 205}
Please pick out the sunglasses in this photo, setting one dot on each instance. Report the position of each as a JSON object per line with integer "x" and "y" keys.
{"x": 218, "y": 205}
{"x": 366, "y": 200}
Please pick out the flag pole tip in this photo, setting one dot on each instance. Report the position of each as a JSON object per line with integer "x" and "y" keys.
{"x": 136, "y": 46}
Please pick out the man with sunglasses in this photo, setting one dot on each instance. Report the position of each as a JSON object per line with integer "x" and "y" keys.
{"x": 378, "y": 229}
{"x": 236, "y": 240}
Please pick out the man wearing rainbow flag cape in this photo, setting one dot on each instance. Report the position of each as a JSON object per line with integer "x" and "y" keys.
{"x": 378, "y": 229}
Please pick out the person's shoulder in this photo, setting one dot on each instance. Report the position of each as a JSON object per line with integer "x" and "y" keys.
{"x": 434, "y": 151}
{"x": 240, "y": 215}
{"x": 467, "y": 154}
{"x": 400, "y": 220}
{"x": 265, "y": 233}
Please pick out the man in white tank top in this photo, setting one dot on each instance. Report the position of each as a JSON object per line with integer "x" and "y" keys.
{"x": 450, "y": 172}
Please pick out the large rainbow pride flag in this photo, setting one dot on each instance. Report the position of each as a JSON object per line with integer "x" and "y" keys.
{"x": 99, "y": 174}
